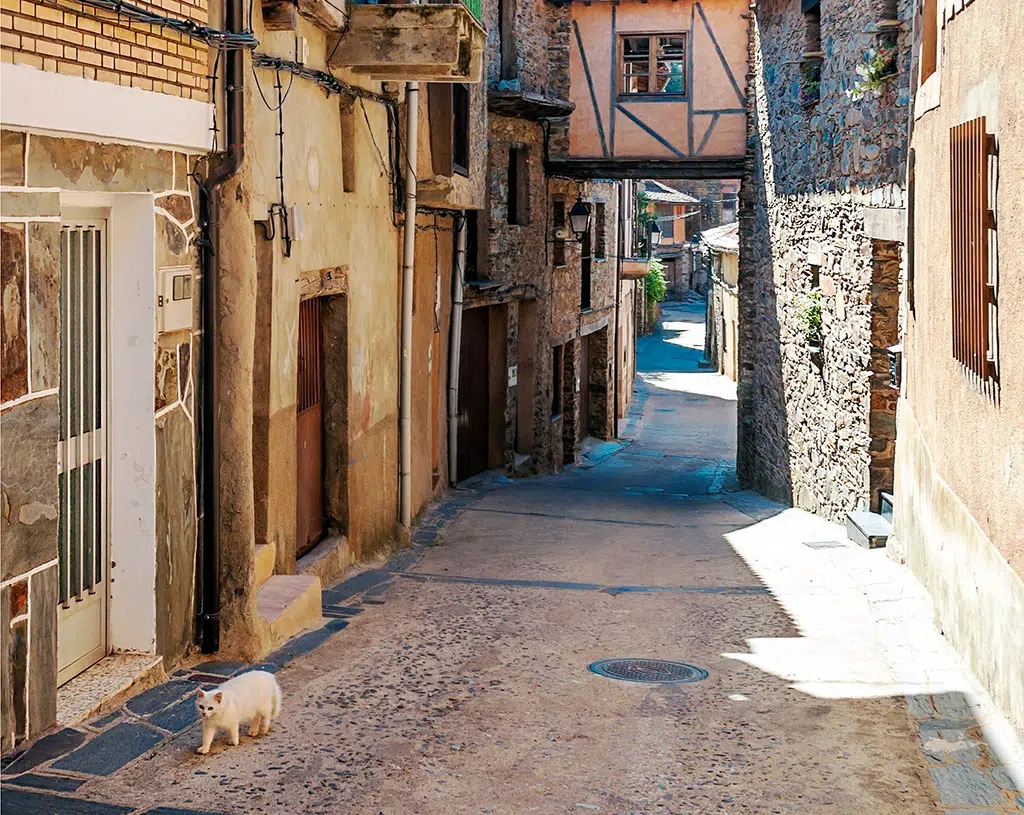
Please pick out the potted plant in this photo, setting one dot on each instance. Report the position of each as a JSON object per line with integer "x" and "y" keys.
{"x": 878, "y": 67}
{"x": 808, "y": 316}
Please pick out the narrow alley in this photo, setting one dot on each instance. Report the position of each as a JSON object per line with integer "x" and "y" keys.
{"x": 460, "y": 683}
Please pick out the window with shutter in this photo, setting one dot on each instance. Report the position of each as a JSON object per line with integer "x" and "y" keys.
{"x": 972, "y": 242}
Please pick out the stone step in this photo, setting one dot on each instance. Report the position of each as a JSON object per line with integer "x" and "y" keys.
{"x": 289, "y": 603}
{"x": 868, "y": 529}
{"x": 266, "y": 554}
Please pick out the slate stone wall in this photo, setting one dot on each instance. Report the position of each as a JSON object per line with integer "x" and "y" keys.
{"x": 30, "y": 276}
{"x": 807, "y": 432}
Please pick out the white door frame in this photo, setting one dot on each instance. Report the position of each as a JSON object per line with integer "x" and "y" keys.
{"x": 131, "y": 434}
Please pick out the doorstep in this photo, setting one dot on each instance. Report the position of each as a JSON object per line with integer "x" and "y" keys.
{"x": 106, "y": 685}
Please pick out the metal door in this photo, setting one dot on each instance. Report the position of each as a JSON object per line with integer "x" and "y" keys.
{"x": 81, "y": 450}
{"x": 309, "y": 431}
{"x": 474, "y": 388}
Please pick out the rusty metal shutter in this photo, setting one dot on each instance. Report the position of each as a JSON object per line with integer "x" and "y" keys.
{"x": 973, "y": 290}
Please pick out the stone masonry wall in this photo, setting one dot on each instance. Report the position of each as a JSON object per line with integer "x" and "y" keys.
{"x": 806, "y": 427}
{"x": 79, "y": 40}
{"x": 34, "y": 167}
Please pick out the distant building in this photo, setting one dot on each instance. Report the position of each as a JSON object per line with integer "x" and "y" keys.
{"x": 718, "y": 261}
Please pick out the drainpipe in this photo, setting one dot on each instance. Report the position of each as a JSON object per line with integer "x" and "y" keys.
{"x": 455, "y": 351}
{"x": 208, "y": 429}
{"x": 412, "y": 101}
{"x": 619, "y": 239}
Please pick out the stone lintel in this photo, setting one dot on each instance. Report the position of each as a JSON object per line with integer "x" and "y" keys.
{"x": 885, "y": 223}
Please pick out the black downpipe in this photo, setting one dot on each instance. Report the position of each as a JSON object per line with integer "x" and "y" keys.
{"x": 209, "y": 425}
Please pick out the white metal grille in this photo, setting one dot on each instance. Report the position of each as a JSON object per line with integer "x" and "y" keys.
{"x": 82, "y": 447}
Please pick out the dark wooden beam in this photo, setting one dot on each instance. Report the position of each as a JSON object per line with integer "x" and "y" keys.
{"x": 701, "y": 167}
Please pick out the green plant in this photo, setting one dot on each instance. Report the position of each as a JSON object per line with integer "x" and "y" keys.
{"x": 808, "y": 316}
{"x": 657, "y": 286}
{"x": 810, "y": 82}
{"x": 878, "y": 67}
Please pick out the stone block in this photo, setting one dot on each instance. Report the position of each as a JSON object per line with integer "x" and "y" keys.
{"x": 177, "y": 206}
{"x": 6, "y": 693}
{"x": 965, "y": 786}
{"x": 949, "y": 745}
{"x": 28, "y": 524}
{"x": 45, "y": 749}
{"x": 44, "y": 304}
{"x": 29, "y": 204}
{"x": 13, "y": 317}
{"x": 42, "y": 685}
{"x": 94, "y": 166}
{"x": 12, "y": 158}
{"x": 161, "y": 696}
{"x": 111, "y": 750}
{"x": 18, "y": 657}
{"x": 20, "y": 800}
{"x": 177, "y": 717}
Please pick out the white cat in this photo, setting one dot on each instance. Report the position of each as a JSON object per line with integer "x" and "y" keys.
{"x": 253, "y": 697}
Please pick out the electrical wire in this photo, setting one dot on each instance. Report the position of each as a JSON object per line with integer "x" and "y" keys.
{"x": 243, "y": 40}
{"x": 328, "y": 82}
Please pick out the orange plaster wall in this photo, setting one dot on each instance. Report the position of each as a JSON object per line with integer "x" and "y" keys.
{"x": 710, "y": 83}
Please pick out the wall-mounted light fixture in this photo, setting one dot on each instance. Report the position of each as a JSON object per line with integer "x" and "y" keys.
{"x": 579, "y": 219}
{"x": 655, "y": 234}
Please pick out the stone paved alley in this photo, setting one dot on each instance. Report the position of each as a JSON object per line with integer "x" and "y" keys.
{"x": 460, "y": 683}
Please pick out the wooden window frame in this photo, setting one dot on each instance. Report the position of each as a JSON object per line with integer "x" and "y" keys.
{"x": 518, "y": 181}
{"x": 449, "y": 128}
{"x": 600, "y": 231}
{"x": 652, "y": 65}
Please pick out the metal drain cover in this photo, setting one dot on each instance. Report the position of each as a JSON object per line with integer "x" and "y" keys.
{"x": 656, "y": 671}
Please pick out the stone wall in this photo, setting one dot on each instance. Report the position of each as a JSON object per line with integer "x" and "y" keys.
{"x": 35, "y": 169}
{"x": 806, "y": 427}
{"x": 94, "y": 44}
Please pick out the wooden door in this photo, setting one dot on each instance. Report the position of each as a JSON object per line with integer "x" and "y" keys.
{"x": 584, "y": 387}
{"x": 473, "y": 394}
{"x": 309, "y": 430}
{"x": 81, "y": 450}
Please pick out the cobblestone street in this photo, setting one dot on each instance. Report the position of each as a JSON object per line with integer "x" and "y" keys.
{"x": 454, "y": 678}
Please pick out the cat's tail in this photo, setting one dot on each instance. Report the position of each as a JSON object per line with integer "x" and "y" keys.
{"x": 277, "y": 700}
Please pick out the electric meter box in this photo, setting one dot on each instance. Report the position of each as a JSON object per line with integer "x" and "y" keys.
{"x": 174, "y": 299}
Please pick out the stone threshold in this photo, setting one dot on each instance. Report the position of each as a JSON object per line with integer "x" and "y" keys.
{"x": 106, "y": 685}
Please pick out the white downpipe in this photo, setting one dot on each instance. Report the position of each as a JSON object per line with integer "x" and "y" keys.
{"x": 455, "y": 352}
{"x": 412, "y": 103}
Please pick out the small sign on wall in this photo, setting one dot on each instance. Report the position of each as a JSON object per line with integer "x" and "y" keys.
{"x": 513, "y": 375}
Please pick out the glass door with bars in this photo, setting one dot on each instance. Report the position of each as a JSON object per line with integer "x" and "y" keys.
{"x": 81, "y": 450}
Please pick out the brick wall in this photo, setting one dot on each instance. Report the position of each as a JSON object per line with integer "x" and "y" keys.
{"x": 74, "y": 39}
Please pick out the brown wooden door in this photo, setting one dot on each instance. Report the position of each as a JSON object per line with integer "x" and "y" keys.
{"x": 584, "y": 387}
{"x": 309, "y": 431}
{"x": 473, "y": 394}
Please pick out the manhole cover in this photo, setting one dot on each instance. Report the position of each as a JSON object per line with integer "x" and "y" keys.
{"x": 658, "y": 671}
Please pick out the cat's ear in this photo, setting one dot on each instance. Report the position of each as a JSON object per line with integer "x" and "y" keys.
{"x": 219, "y": 696}
{"x": 201, "y": 693}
